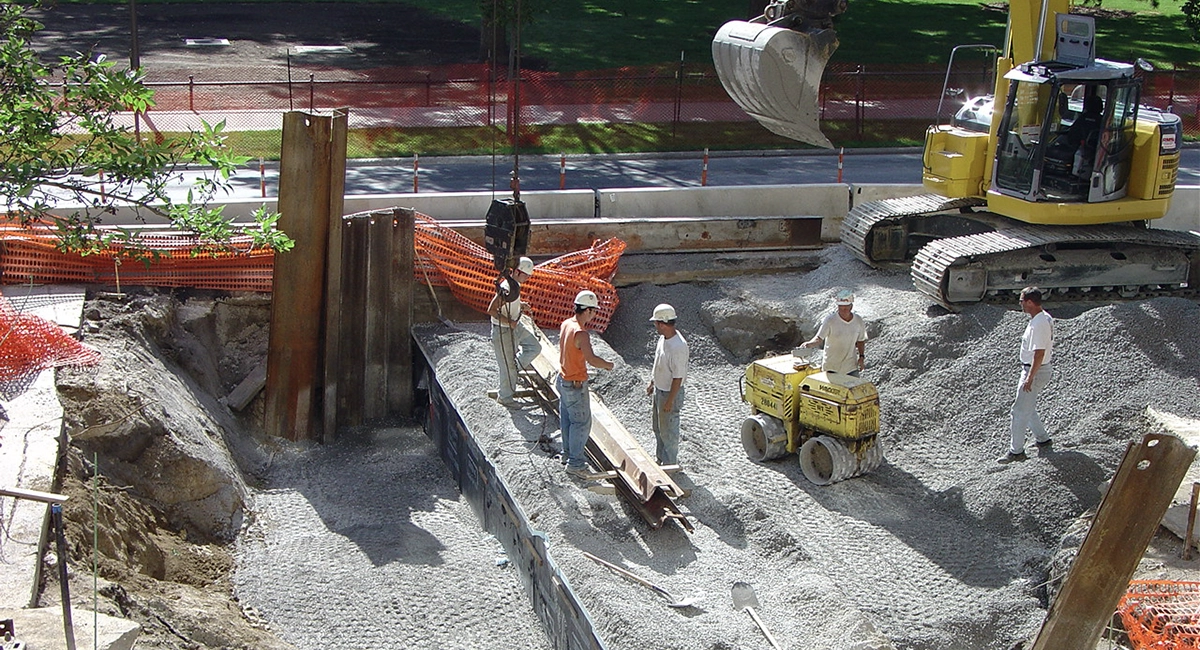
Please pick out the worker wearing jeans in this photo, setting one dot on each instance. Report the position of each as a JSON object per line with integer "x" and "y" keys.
{"x": 574, "y": 402}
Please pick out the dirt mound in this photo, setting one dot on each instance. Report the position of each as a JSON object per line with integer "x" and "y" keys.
{"x": 156, "y": 464}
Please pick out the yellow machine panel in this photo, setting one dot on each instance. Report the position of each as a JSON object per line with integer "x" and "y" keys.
{"x": 1151, "y": 174}
{"x": 839, "y": 405}
{"x": 773, "y": 385}
{"x": 1077, "y": 214}
{"x": 954, "y": 161}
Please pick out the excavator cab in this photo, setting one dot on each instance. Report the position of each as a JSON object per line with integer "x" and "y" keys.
{"x": 1067, "y": 135}
{"x": 772, "y": 65}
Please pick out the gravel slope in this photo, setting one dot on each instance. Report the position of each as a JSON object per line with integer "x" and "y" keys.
{"x": 940, "y": 548}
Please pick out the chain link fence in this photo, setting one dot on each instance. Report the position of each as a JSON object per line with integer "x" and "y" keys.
{"x": 464, "y": 109}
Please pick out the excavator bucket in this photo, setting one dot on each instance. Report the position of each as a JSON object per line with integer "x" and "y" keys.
{"x": 774, "y": 74}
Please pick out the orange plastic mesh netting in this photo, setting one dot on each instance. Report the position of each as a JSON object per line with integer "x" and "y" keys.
{"x": 1162, "y": 614}
{"x": 444, "y": 257}
{"x": 31, "y": 255}
{"x": 30, "y": 343}
{"x": 449, "y": 259}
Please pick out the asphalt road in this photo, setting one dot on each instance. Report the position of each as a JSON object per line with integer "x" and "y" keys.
{"x": 483, "y": 173}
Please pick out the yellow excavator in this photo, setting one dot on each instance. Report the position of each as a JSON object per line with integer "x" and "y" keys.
{"x": 1053, "y": 184}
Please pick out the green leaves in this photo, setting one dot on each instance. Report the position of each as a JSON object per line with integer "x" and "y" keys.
{"x": 69, "y": 155}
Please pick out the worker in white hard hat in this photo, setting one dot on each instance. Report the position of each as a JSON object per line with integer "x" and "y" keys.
{"x": 513, "y": 342}
{"x": 666, "y": 384}
{"x": 844, "y": 337}
{"x": 574, "y": 403}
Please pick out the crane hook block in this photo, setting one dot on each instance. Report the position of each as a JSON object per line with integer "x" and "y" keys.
{"x": 506, "y": 233}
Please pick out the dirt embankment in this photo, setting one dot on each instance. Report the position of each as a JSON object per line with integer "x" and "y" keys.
{"x": 156, "y": 464}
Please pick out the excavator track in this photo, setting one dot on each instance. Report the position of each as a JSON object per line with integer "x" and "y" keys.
{"x": 890, "y": 231}
{"x": 1074, "y": 262}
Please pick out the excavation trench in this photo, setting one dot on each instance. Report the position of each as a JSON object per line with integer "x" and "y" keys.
{"x": 369, "y": 536}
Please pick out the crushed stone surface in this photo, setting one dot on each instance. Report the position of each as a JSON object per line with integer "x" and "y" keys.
{"x": 939, "y": 548}
{"x": 366, "y": 543}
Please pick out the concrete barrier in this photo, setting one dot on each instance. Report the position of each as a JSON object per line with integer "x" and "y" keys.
{"x": 830, "y": 201}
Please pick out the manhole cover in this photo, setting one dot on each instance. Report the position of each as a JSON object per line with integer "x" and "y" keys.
{"x": 321, "y": 49}
{"x": 205, "y": 42}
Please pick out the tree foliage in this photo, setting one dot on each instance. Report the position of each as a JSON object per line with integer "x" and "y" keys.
{"x": 1191, "y": 13}
{"x": 64, "y": 148}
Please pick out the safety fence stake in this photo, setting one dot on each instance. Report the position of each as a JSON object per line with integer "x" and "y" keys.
{"x": 704, "y": 169}
{"x": 841, "y": 154}
{"x": 416, "y": 166}
{"x": 1191, "y": 525}
{"x": 562, "y": 171}
{"x": 262, "y": 177}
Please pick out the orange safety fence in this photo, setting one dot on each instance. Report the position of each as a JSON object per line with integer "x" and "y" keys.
{"x": 444, "y": 257}
{"x": 31, "y": 255}
{"x": 449, "y": 259}
{"x": 1162, "y": 614}
{"x": 30, "y": 343}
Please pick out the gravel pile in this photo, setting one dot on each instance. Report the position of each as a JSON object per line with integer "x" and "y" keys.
{"x": 939, "y": 548}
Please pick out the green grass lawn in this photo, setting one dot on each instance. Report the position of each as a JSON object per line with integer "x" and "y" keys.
{"x": 596, "y": 34}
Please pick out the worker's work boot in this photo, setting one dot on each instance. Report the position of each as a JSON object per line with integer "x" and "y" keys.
{"x": 1011, "y": 458}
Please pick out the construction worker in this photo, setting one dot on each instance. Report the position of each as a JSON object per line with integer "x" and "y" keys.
{"x": 844, "y": 335}
{"x": 1037, "y": 347}
{"x": 515, "y": 346}
{"x": 666, "y": 384}
{"x": 574, "y": 402}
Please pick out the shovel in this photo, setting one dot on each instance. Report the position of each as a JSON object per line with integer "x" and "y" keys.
{"x": 690, "y": 601}
{"x": 744, "y": 598}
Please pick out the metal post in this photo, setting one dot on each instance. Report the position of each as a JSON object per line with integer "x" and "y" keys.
{"x": 1191, "y": 526}
{"x": 678, "y": 95}
{"x": 289, "y": 79}
{"x": 135, "y": 57}
{"x": 262, "y": 177}
{"x": 841, "y": 155}
{"x": 311, "y": 92}
{"x": 859, "y": 110}
{"x": 704, "y": 169}
{"x": 65, "y": 589}
{"x": 191, "y": 93}
{"x": 416, "y": 171}
{"x": 562, "y": 171}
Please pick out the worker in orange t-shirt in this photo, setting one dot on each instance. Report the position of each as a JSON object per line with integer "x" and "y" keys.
{"x": 574, "y": 403}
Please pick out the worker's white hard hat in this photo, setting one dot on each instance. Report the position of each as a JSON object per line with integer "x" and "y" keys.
{"x": 586, "y": 298}
{"x": 664, "y": 313}
{"x": 525, "y": 266}
{"x": 845, "y": 297}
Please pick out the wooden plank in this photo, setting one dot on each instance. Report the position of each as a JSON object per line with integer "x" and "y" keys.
{"x": 245, "y": 391}
{"x": 402, "y": 286}
{"x": 293, "y": 355}
{"x": 1124, "y": 524}
{"x": 610, "y": 439}
{"x": 333, "y": 275}
{"x": 353, "y": 323}
{"x": 378, "y": 264}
